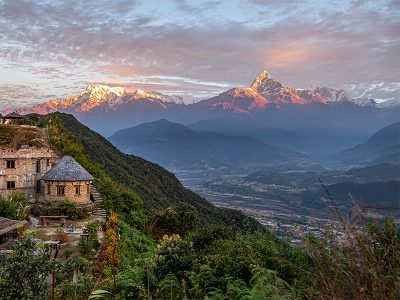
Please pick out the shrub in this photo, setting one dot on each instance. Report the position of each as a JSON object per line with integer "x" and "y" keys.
{"x": 206, "y": 236}
{"x": 88, "y": 246}
{"x": 174, "y": 255}
{"x": 72, "y": 210}
{"x": 93, "y": 228}
{"x": 23, "y": 275}
{"x": 61, "y": 235}
{"x": 138, "y": 219}
{"x": 13, "y": 207}
{"x": 5, "y": 135}
{"x": 74, "y": 267}
{"x": 179, "y": 219}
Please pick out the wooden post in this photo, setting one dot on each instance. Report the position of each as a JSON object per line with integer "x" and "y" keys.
{"x": 53, "y": 284}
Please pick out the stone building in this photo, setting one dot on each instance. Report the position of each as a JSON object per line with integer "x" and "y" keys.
{"x": 21, "y": 169}
{"x": 13, "y": 118}
{"x": 67, "y": 180}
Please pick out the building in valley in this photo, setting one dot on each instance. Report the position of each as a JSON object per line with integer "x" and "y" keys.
{"x": 67, "y": 180}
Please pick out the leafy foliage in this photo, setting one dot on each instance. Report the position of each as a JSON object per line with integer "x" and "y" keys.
{"x": 23, "y": 272}
{"x": 178, "y": 219}
{"x": 72, "y": 280}
{"x": 109, "y": 256}
{"x": 71, "y": 209}
{"x": 14, "y": 207}
{"x": 5, "y": 135}
{"x": 170, "y": 287}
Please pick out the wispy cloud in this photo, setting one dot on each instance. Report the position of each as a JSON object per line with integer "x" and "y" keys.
{"x": 197, "y": 48}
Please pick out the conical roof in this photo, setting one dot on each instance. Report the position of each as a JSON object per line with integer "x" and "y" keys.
{"x": 67, "y": 169}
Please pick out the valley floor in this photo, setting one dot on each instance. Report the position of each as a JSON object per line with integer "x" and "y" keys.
{"x": 278, "y": 207}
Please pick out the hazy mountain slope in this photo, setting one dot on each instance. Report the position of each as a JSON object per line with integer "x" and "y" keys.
{"x": 317, "y": 129}
{"x": 384, "y": 145}
{"x": 309, "y": 179}
{"x": 382, "y": 193}
{"x": 244, "y": 126}
{"x": 381, "y": 172}
{"x": 174, "y": 145}
{"x": 389, "y": 103}
{"x": 156, "y": 186}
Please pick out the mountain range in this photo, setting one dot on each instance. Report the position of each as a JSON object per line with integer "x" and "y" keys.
{"x": 103, "y": 98}
{"x": 321, "y": 121}
{"x": 262, "y": 92}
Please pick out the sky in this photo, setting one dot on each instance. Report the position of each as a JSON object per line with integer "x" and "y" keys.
{"x": 53, "y": 49}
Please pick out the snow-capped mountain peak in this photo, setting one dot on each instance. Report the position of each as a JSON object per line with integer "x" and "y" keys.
{"x": 391, "y": 103}
{"x": 103, "y": 97}
{"x": 364, "y": 101}
{"x": 262, "y": 93}
{"x": 332, "y": 94}
{"x": 97, "y": 88}
{"x": 157, "y": 96}
{"x": 260, "y": 80}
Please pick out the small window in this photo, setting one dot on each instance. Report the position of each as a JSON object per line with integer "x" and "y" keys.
{"x": 60, "y": 190}
{"x": 10, "y": 185}
{"x": 48, "y": 189}
{"x": 48, "y": 162}
{"x": 88, "y": 188}
{"x": 38, "y": 166}
{"x": 10, "y": 164}
{"x": 77, "y": 190}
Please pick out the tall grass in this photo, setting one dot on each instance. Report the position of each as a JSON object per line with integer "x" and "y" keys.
{"x": 362, "y": 263}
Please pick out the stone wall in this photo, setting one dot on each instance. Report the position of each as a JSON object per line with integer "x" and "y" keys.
{"x": 70, "y": 191}
{"x": 30, "y": 164}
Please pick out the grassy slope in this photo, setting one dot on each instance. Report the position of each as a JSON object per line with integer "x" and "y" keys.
{"x": 156, "y": 186}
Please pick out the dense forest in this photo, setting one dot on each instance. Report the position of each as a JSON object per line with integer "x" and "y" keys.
{"x": 162, "y": 241}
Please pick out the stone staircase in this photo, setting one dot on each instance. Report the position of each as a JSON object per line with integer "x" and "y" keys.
{"x": 97, "y": 200}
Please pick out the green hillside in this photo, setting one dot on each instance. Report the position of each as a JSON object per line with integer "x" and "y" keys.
{"x": 383, "y": 146}
{"x": 157, "y": 187}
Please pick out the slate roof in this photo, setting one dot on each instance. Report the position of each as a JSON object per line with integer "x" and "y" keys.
{"x": 6, "y": 225}
{"x": 67, "y": 169}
